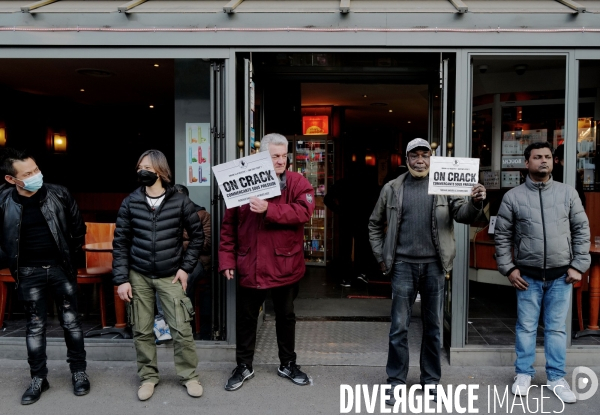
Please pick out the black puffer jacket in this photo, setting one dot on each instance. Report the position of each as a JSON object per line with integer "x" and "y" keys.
{"x": 151, "y": 242}
{"x": 64, "y": 220}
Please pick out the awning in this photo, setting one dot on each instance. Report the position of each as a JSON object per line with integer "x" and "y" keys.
{"x": 301, "y": 6}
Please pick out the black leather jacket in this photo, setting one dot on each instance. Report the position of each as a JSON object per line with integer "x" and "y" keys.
{"x": 64, "y": 220}
{"x": 151, "y": 242}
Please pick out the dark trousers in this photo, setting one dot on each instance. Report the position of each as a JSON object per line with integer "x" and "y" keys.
{"x": 407, "y": 280}
{"x": 34, "y": 284}
{"x": 249, "y": 301}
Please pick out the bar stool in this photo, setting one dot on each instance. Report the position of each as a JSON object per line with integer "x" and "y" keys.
{"x": 5, "y": 277}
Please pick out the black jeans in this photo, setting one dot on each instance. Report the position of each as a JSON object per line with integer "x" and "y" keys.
{"x": 34, "y": 283}
{"x": 249, "y": 301}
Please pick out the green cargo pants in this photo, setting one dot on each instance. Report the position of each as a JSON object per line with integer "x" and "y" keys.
{"x": 178, "y": 312}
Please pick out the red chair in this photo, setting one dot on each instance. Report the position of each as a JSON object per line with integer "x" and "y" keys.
{"x": 5, "y": 277}
{"x": 98, "y": 264}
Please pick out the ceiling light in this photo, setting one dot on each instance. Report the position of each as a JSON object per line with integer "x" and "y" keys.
{"x": 520, "y": 112}
{"x": 82, "y": 90}
{"x": 151, "y": 106}
{"x": 97, "y": 73}
{"x": 389, "y": 110}
{"x": 156, "y": 65}
{"x": 365, "y": 95}
{"x": 409, "y": 122}
{"x": 436, "y": 96}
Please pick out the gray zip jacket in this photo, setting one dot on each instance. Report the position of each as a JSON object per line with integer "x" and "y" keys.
{"x": 546, "y": 225}
{"x": 388, "y": 209}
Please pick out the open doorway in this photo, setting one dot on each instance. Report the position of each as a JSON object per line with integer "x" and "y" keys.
{"x": 348, "y": 117}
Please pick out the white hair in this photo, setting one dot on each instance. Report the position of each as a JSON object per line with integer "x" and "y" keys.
{"x": 273, "y": 138}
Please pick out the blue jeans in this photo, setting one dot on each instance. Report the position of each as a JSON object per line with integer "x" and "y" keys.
{"x": 407, "y": 280}
{"x": 554, "y": 296}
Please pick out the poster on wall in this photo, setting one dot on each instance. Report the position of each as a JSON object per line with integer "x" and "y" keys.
{"x": 197, "y": 154}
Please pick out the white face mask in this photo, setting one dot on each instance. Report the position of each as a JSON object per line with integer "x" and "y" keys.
{"x": 419, "y": 174}
{"x": 33, "y": 183}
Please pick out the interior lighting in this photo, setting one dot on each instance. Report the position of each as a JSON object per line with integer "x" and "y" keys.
{"x": 59, "y": 141}
{"x": 2, "y": 135}
{"x": 151, "y": 106}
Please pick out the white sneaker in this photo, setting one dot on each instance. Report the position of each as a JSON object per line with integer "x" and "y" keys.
{"x": 521, "y": 385}
{"x": 159, "y": 327}
{"x": 561, "y": 389}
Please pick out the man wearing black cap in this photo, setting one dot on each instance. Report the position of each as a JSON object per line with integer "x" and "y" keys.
{"x": 417, "y": 252}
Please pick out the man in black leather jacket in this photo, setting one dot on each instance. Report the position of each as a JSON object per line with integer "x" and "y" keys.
{"x": 40, "y": 230}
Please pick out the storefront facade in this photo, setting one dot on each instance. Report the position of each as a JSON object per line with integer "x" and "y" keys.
{"x": 485, "y": 62}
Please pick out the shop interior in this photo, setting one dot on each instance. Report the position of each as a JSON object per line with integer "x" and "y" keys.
{"x": 518, "y": 101}
{"x": 348, "y": 118}
{"x": 86, "y": 122}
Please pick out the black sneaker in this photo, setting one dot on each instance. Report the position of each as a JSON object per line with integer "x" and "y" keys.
{"x": 432, "y": 392}
{"x": 392, "y": 400}
{"x": 363, "y": 278}
{"x": 293, "y": 372}
{"x": 240, "y": 374}
{"x": 34, "y": 391}
{"x": 345, "y": 284}
{"x": 81, "y": 383}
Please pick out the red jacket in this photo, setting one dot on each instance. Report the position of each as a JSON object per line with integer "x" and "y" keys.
{"x": 266, "y": 249}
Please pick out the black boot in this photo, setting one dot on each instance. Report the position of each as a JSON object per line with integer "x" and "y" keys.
{"x": 34, "y": 391}
{"x": 81, "y": 383}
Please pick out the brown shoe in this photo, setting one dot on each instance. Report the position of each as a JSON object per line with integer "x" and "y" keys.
{"x": 146, "y": 391}
{"x": 194, "y": 388}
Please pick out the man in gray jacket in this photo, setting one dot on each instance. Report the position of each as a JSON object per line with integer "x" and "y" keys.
{"x": 542, "y": 245}
{"x": 417, "y": 251}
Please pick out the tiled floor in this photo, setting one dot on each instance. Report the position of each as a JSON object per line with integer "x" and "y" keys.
{"x": 493, "y": 316}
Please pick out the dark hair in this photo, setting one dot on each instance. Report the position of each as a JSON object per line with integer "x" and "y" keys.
{"x": 159, "y": 164}
{"x": 560, "y": 152}
{"x": 8, "y": 158}
{"x": 181, "y": 189}
{"x": 535, "y": 146}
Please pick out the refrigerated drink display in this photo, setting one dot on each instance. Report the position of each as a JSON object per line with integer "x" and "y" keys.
{"x": 314, "y": 158}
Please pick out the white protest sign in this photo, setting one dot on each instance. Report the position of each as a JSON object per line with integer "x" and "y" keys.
{"x": 247, "y": 177}
{"x": 454, "y": 176}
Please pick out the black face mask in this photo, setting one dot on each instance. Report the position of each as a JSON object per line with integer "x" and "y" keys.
{"x": 146, "y": 177}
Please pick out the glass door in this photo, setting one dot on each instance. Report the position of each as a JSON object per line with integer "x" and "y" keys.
{"x": 587, "y": 182}
{"x": 516, "y": 100}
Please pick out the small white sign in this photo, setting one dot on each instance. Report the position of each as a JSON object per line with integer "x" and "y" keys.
{"x": 454, "y": 176}
{"x": 492, "y": 227}
{"x": 491, "y": 179}
{"x": 251, "y": 176}
{"x": 513, "y": 162}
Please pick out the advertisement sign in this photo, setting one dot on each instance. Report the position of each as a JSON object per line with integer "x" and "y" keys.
{"x": 454, "y": 176}
{"x": 251, "y": 176}
{"x": 513, "y": 162}
{"x": 197, "y": 154}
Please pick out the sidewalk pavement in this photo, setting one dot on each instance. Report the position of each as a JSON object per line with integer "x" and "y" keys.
{"x": 114, "y": 388}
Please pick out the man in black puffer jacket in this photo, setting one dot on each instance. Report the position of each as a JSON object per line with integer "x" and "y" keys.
{"x": 40, "y": 230}
{"x": 148, "y": 259}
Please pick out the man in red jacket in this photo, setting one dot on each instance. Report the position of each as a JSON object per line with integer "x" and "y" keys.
{"x": 263, "y": 242}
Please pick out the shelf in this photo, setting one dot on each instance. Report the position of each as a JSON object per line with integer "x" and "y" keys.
{"x": 315, "y": 227}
